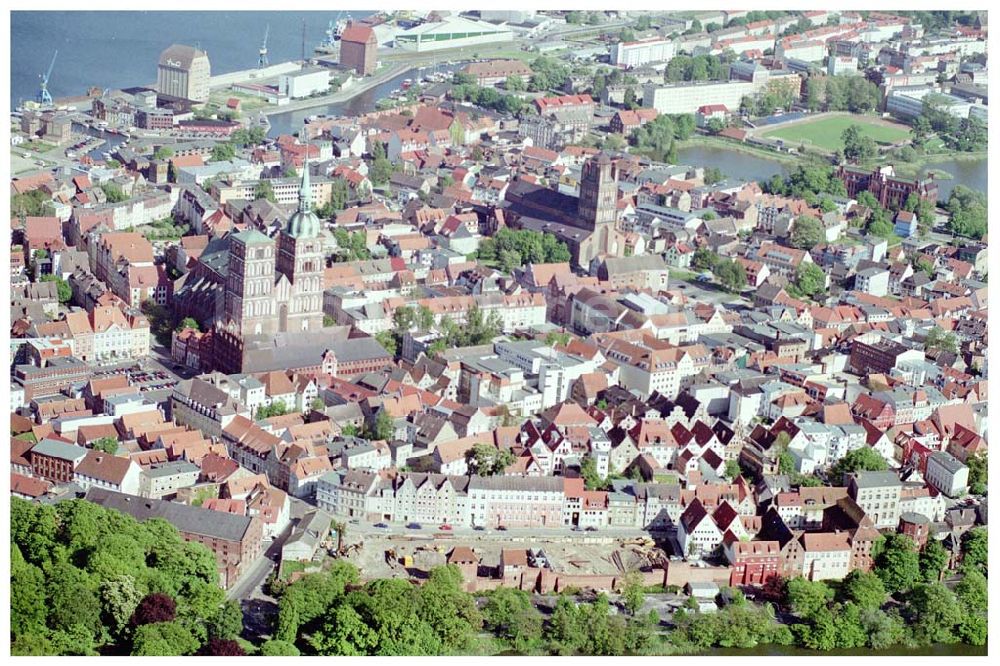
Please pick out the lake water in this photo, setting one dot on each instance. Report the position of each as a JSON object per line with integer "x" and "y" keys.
{"x": 121, "y": 49}
{"x": 736, "y": 164}
{"x": 939, "y": 650}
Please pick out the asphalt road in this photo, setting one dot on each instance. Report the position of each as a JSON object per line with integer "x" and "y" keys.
{"x": 251, "y": 581}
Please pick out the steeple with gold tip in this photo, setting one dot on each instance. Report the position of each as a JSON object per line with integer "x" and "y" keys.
{"x": 304, "y": 223}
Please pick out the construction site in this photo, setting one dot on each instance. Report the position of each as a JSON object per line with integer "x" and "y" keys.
{"x": 532, "y": 564}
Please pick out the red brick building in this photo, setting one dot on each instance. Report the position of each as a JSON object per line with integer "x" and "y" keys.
{"x": 55, "y": 461}
{"x": 358, "y": 49}
{"x": 234, "y": 540}
{"x": 753, "y": 562}
{"x": 889, "y": 189}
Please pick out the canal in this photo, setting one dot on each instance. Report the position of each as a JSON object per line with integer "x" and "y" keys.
{"x": 364, "y": 102}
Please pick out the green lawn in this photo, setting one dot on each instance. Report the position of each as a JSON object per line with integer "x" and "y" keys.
{"x": 825, "y": 132}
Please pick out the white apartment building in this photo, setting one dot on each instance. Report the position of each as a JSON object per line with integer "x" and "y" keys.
{"x": 946, "y": 473}
{"x": 643, "y": 52}
{"x": 688, "y": 97}
{"x": 878, "y": 494}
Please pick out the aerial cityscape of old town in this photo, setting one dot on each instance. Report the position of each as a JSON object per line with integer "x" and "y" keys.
{"x": 499, "y": 332}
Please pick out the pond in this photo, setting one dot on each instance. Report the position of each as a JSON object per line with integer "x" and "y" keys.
{"x": 745, "y": 166}
{"x": 971, "y": 173}
{"x": 732, "y": 163}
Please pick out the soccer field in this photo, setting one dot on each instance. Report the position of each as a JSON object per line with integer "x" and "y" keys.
{"x": 825, "y": 132}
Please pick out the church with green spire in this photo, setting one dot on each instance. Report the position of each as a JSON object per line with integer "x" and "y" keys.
{"x": 276, "y": 285}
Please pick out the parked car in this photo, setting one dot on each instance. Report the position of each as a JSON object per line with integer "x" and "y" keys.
{"x": 479, "y": 528}
{"x": 501, "y": 528}
{"x": 445, "y": 527}
{"x": 591, "y": 529}
{"x": 381, "y": 526}
{"x": 414, "y": 526}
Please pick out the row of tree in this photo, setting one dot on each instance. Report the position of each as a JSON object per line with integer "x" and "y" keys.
{"x": 512, "y": 249}
{"x": 842, "y": 93}
{"x": 331, "y": 613}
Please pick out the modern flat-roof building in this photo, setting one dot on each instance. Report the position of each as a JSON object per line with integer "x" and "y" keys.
{"x": 642, "y": 52}
{"x": 452, "y": 32}
{"x": 688, "y": 97}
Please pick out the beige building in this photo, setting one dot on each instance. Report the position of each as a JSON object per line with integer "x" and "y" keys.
{"x": 184, "y": 71}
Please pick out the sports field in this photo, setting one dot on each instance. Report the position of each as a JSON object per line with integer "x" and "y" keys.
{"x": 824, "y": 132}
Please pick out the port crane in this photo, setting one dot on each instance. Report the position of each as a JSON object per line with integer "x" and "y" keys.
{"x": 43, "y": 89}
{"x": 262, "y": 61}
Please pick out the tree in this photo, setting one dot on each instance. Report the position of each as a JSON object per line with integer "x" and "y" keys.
{"x": 154, "y": 608}
{"x": 163, "y": 152}
{"x": 810, "y": 280}
{"x": 974, "y": 549}
{"x": 807, "y": 232}
{"x": 509, "y": 614}
{"x": 277, "y": 648}
{"x": 448, "y": 608}
{"x": 514, "y": 83}
{"x": 223, "y": 647}
{"x": 937, "y": 338}
{"x": 317, "y": 405}
{"x": 588, "y": 470}
{"x": 384, "y": 428}
{"x": 973, "y": 591}
{"x": 730, "y": 274}
{"x": 114, "y": 193}
{"x": 265, "y": 191}
{"x": 807, "y": 597}
{"x": 881, "y": 226}
{"x": 978, "y": 473}
{"x": 163, "y": 639}
{"x": 897, "y": 563}
{"x": 188, "y": 322}
{"x": 968, "y": 212}
{"x": 864, "y": 589}
{"x": 713, "y": 175}
{"x": 487, "y": 460}
{"x": 228, "y": 623}
{"x": 933, "y": 560}
{"x": 276, "y": 408}
{"x": 223, "y": 152}
{"x": 63, "y": 290}
{"x": 864, "y": 459}
{"x": 27, "y": 596}
{"x": 934, "y": 613}
{"x": 883, "y": 630}
{"x": 107, "y": 445}
{"x": 633, "y": 594}
{"x": 388, "y": 340}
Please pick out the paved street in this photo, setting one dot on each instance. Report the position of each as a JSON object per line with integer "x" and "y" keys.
{"x": 249, "y": 586}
